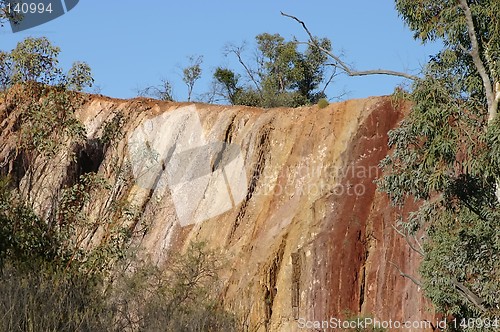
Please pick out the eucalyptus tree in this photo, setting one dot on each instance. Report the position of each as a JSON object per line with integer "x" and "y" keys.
{"x": 192, "y": 73}
{"x": 279, "y": 74}
{"x": 446, "y": 154}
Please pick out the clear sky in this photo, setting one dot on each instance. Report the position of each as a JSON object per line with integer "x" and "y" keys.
{"x": 133, "y": 44}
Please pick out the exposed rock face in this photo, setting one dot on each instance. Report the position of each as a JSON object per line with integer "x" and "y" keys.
{"x": 295, "y": 212}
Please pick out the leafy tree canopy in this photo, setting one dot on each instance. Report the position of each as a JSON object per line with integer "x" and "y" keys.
{"x": 36, "y": 60}
{"x": 279, "y": 75}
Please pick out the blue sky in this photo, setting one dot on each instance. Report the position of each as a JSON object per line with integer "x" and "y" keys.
{"x": 132, "y": 44}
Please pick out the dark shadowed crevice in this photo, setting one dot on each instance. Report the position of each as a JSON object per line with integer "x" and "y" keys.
{"x": 258, "y": 168}
{"x": 270, "y": 289}
{"x": 228, "y": 135}
{"x": 16, "y": 168}
{"x": 88, "y": 158}
{"x": 297, "y": 265}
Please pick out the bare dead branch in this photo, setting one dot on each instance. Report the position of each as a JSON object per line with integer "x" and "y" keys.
{"x": 401, "y": 273}
{"x": 478, "y": 63}
{"x": 341, "y": 64}
{"x": 236, "y": 50}
{"x": 330, "y": 79}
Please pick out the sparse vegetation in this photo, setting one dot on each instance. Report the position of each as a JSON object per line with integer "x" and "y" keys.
{"x": 41, "y": 291}
{"x": 47, "y": 297}
{"x": 280, "y": 75}
{"x": 181, "y": 297}
{"x": 323, "y": 103}
{"x": 192, "y": 73}
{"x": 163, "y": 91}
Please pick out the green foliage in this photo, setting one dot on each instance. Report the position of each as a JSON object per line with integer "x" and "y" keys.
{"x": 3, "y": 12}
{"x": 282, "y": 75}
{"x": 445, "y": 154}
{"x": 248, "y": 97}
{"x": 323, "y": 103}
{"x": 48, "y": 117}
{"x": 79, "y": 76}
{"x": 433, "y": 20}
{"x": 48, "y": 296}
{"x": 45, "y": 106}
{"x": 466, "y": 248}
{"x": 35, "y": 60}
{"x": 73, "y": 199}
{"x": 192, "y": 73}
{"x": 6, "y": 15}
{"x": 284, "y": 99}
{"x": 48, "y": 282}
{"x": 279, "y": 62}
{"x": 75, "y": 227}
{"x": 24, "y": 237}
{"x": 46, "y": 100}
{"x": 227, "y": 84}
{"x": 5, "y": 70}
{"x": 113, "y": 129}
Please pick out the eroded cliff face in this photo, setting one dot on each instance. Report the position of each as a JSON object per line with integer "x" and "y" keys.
{"x": 286, "y": 195}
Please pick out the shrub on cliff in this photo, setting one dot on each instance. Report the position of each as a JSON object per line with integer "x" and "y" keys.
{"x": 323, "y": 103}
{"x": 39, "y": 290}
{"x": 24, "y": 236}
{"x": 282, "y": 75}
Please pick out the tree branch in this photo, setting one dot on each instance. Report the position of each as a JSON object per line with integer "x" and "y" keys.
{"x": 237, "y": 51}
{"x": 419, "y": 245}
{"x": 478, "y": 63}
{"x": 334, "y": 73}
{"x": 341, "y": 64}
{"x": 401, "y": 273}
{"x": 412, "y": 246}
{"x": 476, "y": 300}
